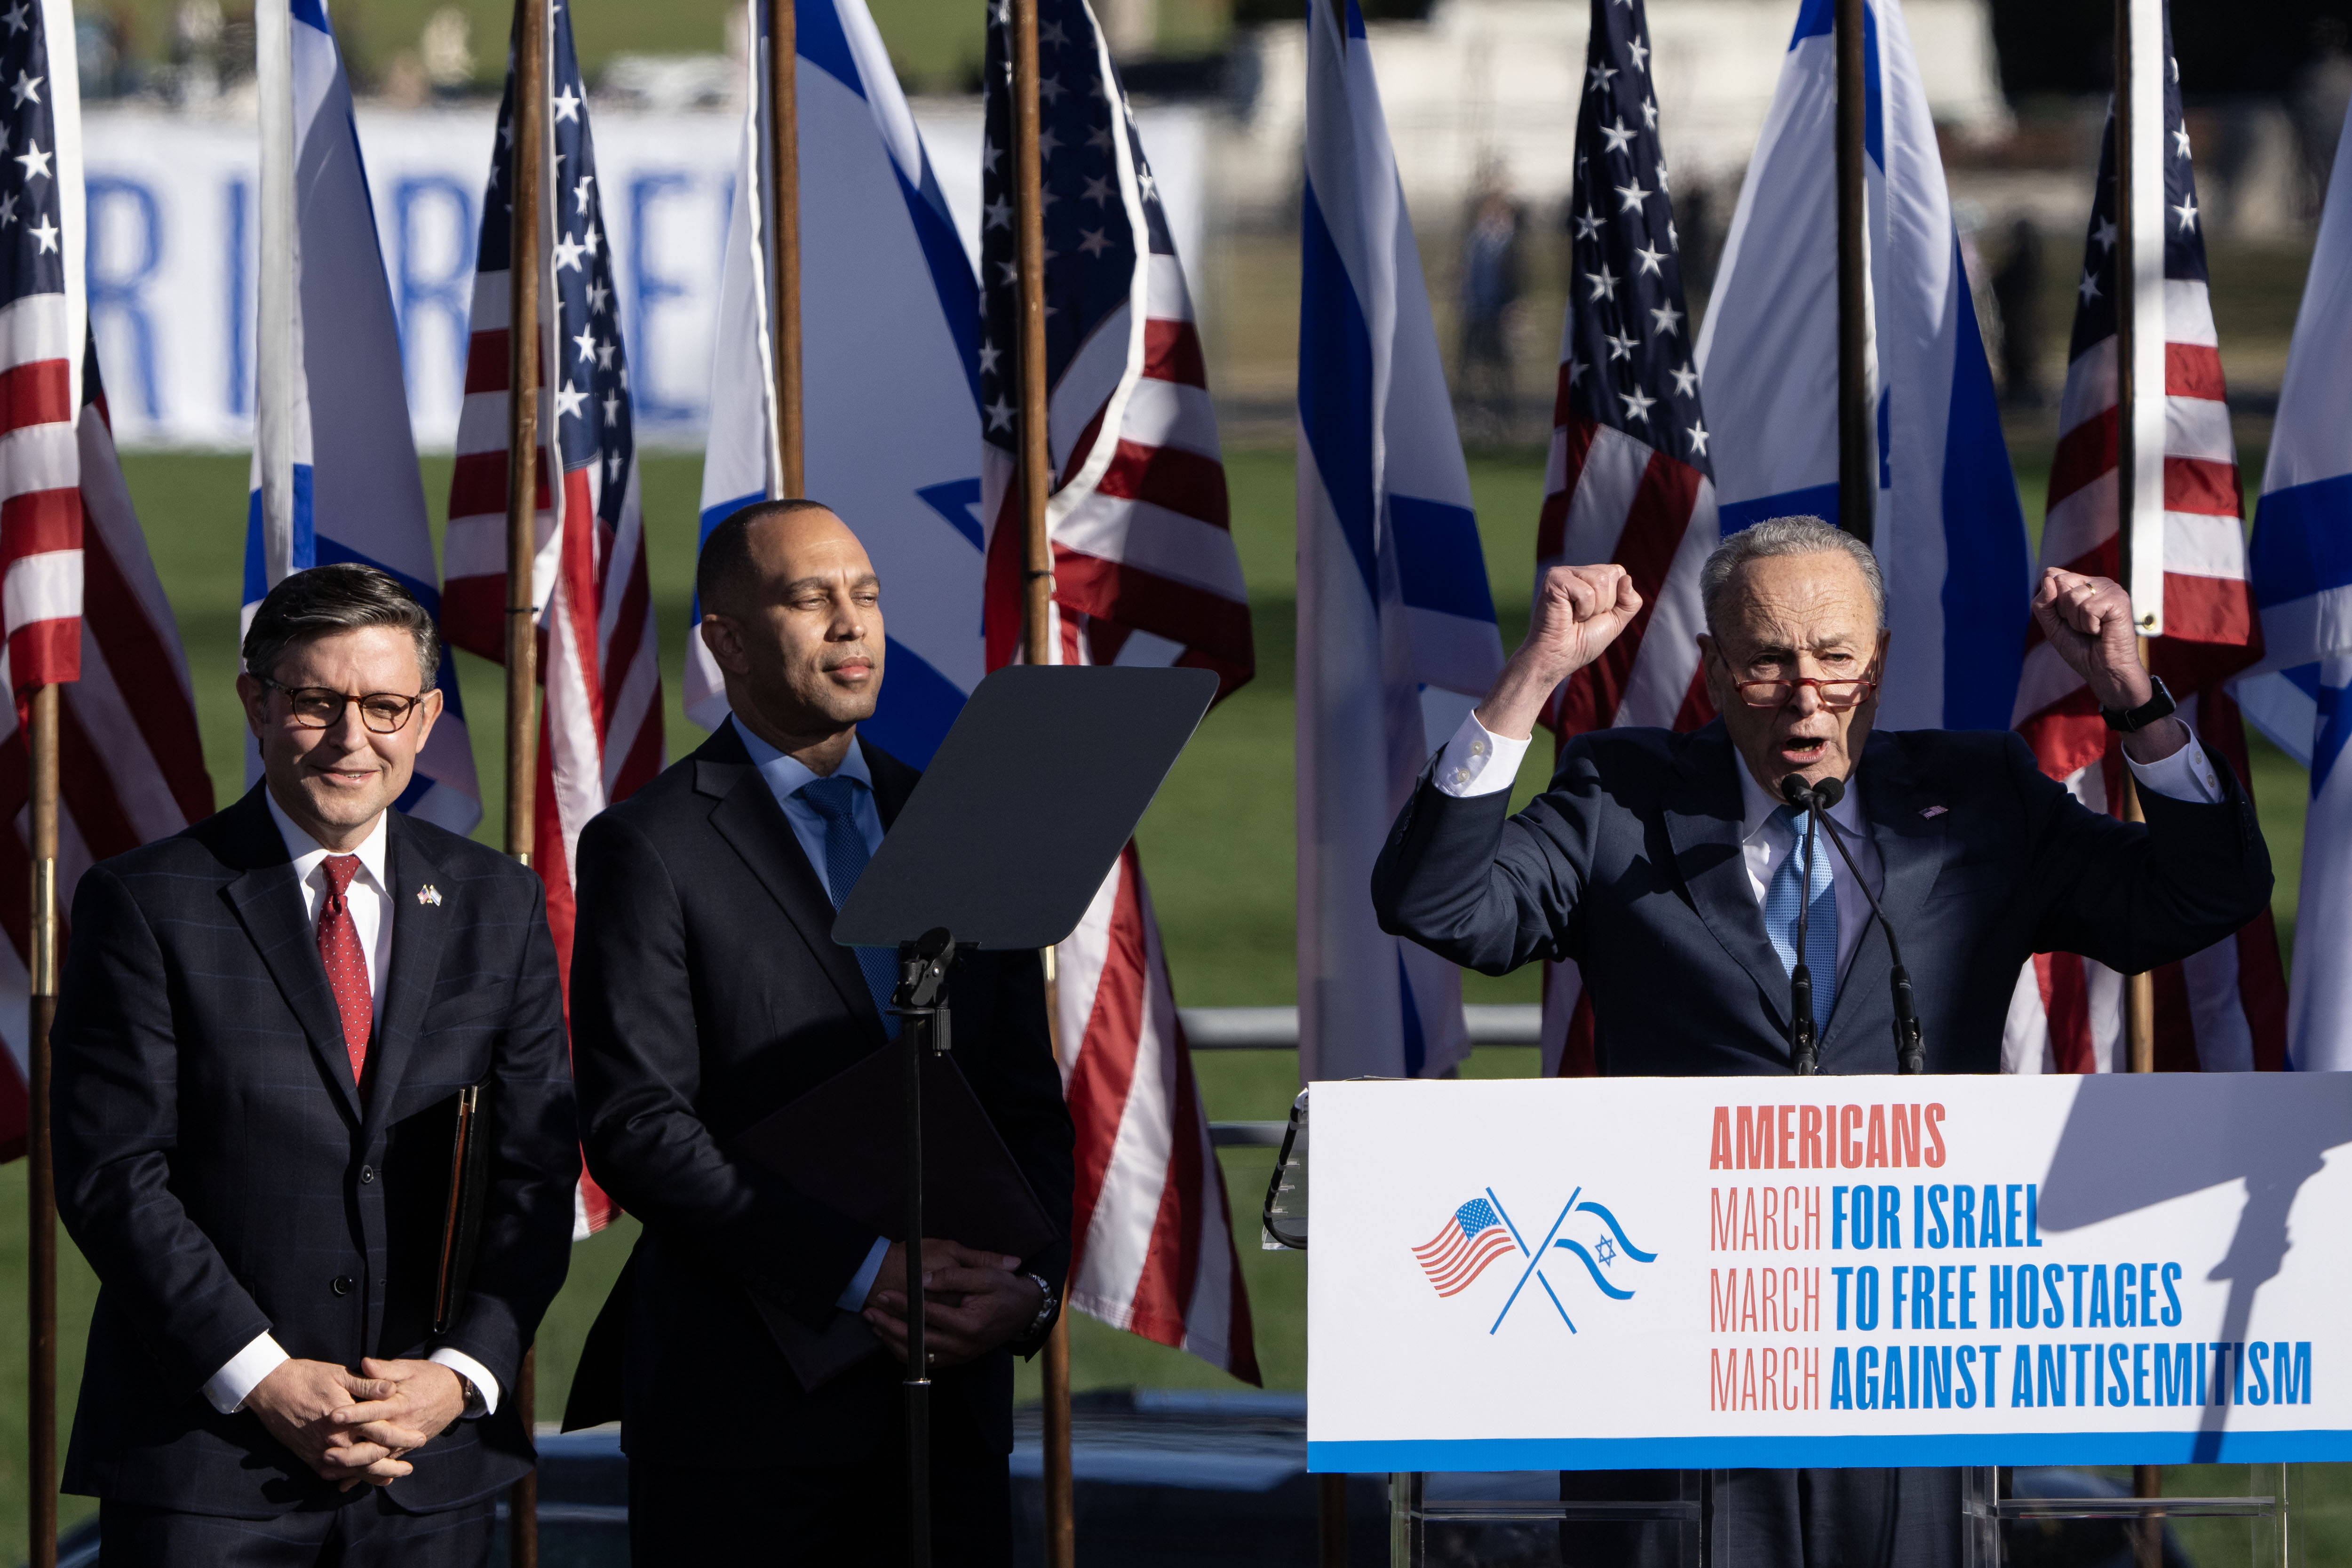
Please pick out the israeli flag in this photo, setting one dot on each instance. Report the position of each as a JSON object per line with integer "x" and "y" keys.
{"x": 890, "y": 355}
{"x": 332, "y": 439}
{"x": 1396, "y": 625}
{"x": 1948, "y": 531}
{"x": 2302, "y": 570}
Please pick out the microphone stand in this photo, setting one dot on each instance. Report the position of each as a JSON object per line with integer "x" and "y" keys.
{"x": 921, "y": 1005}
{"x": 1910, "y": 1048}
{"x": 1804, "y": 1050}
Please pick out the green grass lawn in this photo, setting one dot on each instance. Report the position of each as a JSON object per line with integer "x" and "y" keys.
{"x": 1218, "y": 848}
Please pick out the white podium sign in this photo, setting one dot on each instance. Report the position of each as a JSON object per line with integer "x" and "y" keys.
{"x": 1693, "y": 1273}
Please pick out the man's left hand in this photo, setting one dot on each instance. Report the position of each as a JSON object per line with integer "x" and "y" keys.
{"x": 2089, "y": 621}
{"x": 426, "y": 1397}
{"x": 967, "y": 1312}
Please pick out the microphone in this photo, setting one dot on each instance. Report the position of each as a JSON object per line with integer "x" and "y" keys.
{"x": 1910, "y": 1049}
{"x": 1804, "y": 1051}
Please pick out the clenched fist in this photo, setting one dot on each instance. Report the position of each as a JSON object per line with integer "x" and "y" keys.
{"x": 1579, "y": 611}
{"x": 2089, "y": 621}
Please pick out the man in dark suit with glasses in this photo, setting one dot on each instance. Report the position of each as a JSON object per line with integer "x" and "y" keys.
{"x": 264, "y": 1027}
{"x": 1666, "y": 865}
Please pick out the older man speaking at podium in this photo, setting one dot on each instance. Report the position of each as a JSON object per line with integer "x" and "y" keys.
{"x": 1671, "y": 868}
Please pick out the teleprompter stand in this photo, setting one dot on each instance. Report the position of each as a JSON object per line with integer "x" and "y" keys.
{"x": 1017, "y": 821}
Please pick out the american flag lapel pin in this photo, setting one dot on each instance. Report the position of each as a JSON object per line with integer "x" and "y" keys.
{"x": 1930, "y": 812}
{"x": 429, "y": 894}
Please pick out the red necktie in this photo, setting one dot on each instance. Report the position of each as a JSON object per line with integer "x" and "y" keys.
{"x": 338, "y": 949}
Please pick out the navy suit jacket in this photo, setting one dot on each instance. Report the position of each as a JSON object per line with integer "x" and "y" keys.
{"x": 225, "y": 1179}
{"x": 707, "y": 993}
{"x": 1630, "y": 864}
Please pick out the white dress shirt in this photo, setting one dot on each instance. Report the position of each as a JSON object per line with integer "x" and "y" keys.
{"x": 1478, "y": 762}
{"x": 785, "y": 776}
{"x": 369, "y": 899}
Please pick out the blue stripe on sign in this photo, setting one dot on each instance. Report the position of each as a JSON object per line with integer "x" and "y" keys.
{"x": 1439, "y": 562}
{"x": 1988, "y": 576}
{"x": 918, "y": 706}
{"x": 2317, "y": 1446}
{"x": 2302, "y": 540}
{"x": 817, "y": 36}
{"x": 1816, "y": 501}
{"x": 1335, "y": 386}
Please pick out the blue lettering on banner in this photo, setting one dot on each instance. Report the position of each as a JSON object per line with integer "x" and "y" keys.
{"x": 1841, "y": 1274}
{"x": 1866, "y": 1377}
{"x": 1893, "y": 1391}
{"x": 1992, "y": 1372}
{"x": 2148, "y": 1295}
{"x": 2099, "y": 1317}
{"x": 1898, "y": 1293}
{"x": 2139, "y": 1375}
{"x": 1918, "y": 1215}
{"x": 1923, "y": 1296}
{"x": 2260, "y": 1354}
{"x": 1865, "y": 1299}
{"x": 1840, "y": 1380}
{"x": 1964, "y": 1216}
{"x": 2010, "y": 1217}
{"x": 2119, "y": 1364}
{"x": 2078, "y": 1270}
{"x": 2173, "y": 1371}
{"x": 2054, "y": 1316}
{"x": 2049, "y": 1375}
{"x": 123, "y": 251}
{"x": 2081, "y": 1389}
{"x": 2126, "y": 1283}
{"x": 2292, "y": 1377}
{"x": 651, "y": 405}
{"x": 1837, "y": 1219}
{"x": 2032, "y": 1214}
{"x": 1988, "y": 1221}
{"x": 1964, "y": 1378}
{"x": 1890, "y": 1217}
{"x": 449, "y": 292}
{"x": 1967, "y": 1294}
{"x": 236, "y": 197}
{"x": 2171, "y": 1296}
{"x": 1935, "y": 1376}
{"x": 2000, "y": 1306}
{"x": 1940, "y": 1231}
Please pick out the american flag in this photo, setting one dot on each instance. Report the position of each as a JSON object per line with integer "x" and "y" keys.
{"x": 1472, "y": 1238}
{"x": 2224, "y": 1008}
{"x": 1629, "y": 481}
{"x": 600, "y": 728}
{"x": 1145, "y": 572}
{"x": 83, "y": 602}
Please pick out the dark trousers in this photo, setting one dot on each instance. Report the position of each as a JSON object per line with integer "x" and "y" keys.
{"x": 1779, "y": 1519}
{"x": 823, "y": 1515}
{"x": 362, "y": 1531}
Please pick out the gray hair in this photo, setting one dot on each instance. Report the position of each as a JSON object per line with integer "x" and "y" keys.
{"x": 344, "y": 596}
{"x": 1784, "y": 536}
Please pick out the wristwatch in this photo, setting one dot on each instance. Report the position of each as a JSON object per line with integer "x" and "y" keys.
{"x": 476, "y": 1405}
{"x": 1044, "y": 1311}
{"x": 2159, "y": 706}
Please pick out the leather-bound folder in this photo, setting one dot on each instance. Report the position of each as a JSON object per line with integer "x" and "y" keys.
{"x": 461, "y": 1226}
{"x": 844, "y": 1144}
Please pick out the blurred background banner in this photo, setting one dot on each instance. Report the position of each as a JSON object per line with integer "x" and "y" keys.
{"x": 175, "y": 230}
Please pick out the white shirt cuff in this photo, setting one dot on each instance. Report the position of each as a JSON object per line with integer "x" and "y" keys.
{"x": 2186, "y": 775}
{"x": 1478, "y": 762}
{"x": 853, "y": 1300}
{"x": 474, "y": 1372}
{"x": 227, "y": 1388}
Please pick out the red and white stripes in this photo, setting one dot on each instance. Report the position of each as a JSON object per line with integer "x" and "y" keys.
{"x": 1152, "y": 1246}
{"x": 40, "y": 496}
{"x": 131, "y": 764}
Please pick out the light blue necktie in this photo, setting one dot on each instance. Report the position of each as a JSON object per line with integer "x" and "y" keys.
{"x": 1781, "y": 914}
{"x": 845, "y": 855}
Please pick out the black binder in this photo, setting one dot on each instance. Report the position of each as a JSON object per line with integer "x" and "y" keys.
{"x": 461, "y": 1227}
{"x": 840, "y": 1143}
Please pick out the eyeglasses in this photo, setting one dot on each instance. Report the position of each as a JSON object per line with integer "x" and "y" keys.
{"x": 318, "y": 707}
{"x": 1835, "y": 695}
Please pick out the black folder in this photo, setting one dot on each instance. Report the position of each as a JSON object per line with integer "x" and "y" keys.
{"x": 461, "y": 1226}
{"x": 842, "y": 1144}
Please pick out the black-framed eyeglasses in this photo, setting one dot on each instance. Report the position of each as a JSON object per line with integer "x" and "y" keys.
{"x": 320, "y": 707}
{"x": 1835, "y": 695}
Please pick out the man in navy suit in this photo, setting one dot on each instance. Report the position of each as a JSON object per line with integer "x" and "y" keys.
{"x": 1665, "y": 866}
{"x": 264, "y": 1027}
{"x": 708, "y": 992}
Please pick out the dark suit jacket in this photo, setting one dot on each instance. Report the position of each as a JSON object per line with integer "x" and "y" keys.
{"x": 707, "y": 991}
{"x": 224, "y": 1178}
{"x": 1630, "y": 864}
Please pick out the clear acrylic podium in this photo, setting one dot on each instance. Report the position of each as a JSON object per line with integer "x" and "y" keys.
{"x": 2211, "y": 1516}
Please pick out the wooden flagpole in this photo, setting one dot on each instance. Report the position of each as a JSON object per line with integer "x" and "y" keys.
{"x": 526, "y": 189}
{"x": 1036, "y": 481}
{"x": 42, "y": 1482}
{"x": 1857, "y": 485}
{"x": 784, "y": 242}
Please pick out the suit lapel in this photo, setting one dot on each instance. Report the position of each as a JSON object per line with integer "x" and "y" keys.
{"x": 269, "y": 906}
{"x": 1910, "y": 852}
{"x": 1704, "y": 821}
{"x": 418, "y": 929}
{"x": 748, "y": 817}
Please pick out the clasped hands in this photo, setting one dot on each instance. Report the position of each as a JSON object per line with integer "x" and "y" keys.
{"x": 973, "y": 1302}
{"x": 351, "y": 1429}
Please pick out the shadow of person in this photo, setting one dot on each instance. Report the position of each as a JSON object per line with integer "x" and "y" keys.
{"x": 2132, "y": 1141}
